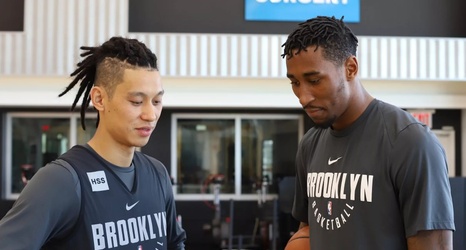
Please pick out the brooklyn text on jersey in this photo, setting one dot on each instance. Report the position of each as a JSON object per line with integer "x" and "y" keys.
{"x": 113, "y": 234}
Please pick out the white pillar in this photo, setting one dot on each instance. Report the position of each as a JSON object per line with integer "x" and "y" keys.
{"x": 463, "y": 143}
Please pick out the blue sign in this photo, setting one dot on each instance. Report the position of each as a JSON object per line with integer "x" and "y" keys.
{"x": 301, "y": 10}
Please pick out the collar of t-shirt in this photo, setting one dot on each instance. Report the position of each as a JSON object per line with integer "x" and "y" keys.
{"x": 126, "y": 175}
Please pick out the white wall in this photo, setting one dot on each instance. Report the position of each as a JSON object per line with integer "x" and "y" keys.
{"x": 215, "y": 70}
{"x": 237, "y": 92}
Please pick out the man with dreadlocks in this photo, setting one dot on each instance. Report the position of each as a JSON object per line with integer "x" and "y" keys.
{"x": 103, "y": 194}
{"x": 369, "y": 176}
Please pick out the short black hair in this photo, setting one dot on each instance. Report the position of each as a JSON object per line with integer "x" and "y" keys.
{"x": 336, "y": 39}
{"x": 103, "y": 65}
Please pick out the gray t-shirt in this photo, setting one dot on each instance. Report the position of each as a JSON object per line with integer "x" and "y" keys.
{"x": 373, "y": 184}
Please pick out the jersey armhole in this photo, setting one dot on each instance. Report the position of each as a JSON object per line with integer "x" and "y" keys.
{"x": 159, "y": 175}
{"x": 73, "y": 173}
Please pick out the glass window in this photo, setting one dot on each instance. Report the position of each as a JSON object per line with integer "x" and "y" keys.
{"x": 35, "y": 142}
{"x": 83, "y": 136}
{"x": 268, "y": 149}
{"x": 34, "y": 139}
{"x": 246, "y": 154}
{"x": 206, "y": 154}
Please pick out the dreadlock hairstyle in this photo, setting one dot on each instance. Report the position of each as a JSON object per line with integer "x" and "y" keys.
{"x": 104, "y": 66}
{"x": 336, "y": 39}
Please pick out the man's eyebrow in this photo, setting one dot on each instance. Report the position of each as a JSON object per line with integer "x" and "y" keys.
{"x": 306, "y": 74}
{"x": 138, "y": 93}
{"x": 311, "y": 73}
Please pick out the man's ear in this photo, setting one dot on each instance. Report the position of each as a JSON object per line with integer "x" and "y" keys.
{"x": 98, "y": 96}
{"x": 351, "y": 68}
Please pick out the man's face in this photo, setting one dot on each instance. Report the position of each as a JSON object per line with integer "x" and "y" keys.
{"x": 131, "y": 113}
{"x": 320, "y": 86}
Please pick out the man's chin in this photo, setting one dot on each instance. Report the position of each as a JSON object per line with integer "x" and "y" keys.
{"x": 322, "y": 124}
{"x": 140, "y": 144}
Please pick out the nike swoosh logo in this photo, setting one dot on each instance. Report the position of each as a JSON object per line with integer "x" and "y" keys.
{"x": 160, "y": 243}
{"x": 131, "y": 207}
{"x": 330, "y": 161}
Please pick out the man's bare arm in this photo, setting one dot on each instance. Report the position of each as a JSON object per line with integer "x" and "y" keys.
{"x": 302, "y": 224}
{"x": 431, "y": 240}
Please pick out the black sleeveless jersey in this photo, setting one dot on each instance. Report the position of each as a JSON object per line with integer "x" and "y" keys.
{"x": 112, "y": 216}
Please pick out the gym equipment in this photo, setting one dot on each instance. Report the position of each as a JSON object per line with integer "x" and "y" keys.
{"x": 265, "y": 232}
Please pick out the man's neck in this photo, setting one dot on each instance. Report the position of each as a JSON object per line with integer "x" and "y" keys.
{"x": 112, "y": 152}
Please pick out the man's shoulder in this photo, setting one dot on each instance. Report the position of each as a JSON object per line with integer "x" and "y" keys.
{"x": 400, "y": 124}
{"x": 76, "y": 153}
{"x": 152, "y": 159}
{"x": 158, "y": 165}
{"x": 392, "y": 112}
{"x": 394, "y": 118}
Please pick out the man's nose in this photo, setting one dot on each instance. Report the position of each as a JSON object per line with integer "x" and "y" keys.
{"x": 305, "y": 96}
{"x": 149, "y": 112}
